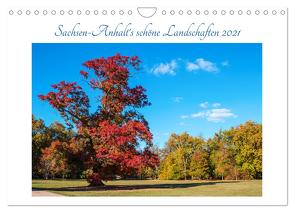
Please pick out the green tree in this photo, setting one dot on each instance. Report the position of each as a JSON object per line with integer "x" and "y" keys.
{"x": 180, "y": 149}
{"x": 199, "y": 167}
{"x": 248, "y": 141}
{"x": 40, "y": 140}
{"x": 222, "y": 160}
{"x": 58, "y": 131}
{"x": 223, "y": 155}
{"x": 169, "y": 168}
{"x": 237, "y": 153}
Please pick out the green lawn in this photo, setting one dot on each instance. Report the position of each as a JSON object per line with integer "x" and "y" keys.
{"x": 152, "y": 188}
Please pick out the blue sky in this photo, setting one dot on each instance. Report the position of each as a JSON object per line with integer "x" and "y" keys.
{"x": 197, "y": 88}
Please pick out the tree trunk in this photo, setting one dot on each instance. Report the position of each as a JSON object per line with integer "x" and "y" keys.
{"x": 46, "y": 175}
{"x": 96, "y": 183}
{"x": 95, "y": 180}
{"x": 185, "y": 168}
{"x": 185, "y": 171}
{"x": 236, "y": 176}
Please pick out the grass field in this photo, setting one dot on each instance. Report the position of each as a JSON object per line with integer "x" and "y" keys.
{"x": 151, "y": 188}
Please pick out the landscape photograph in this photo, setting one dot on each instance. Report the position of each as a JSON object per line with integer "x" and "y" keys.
{"x": 147, "y": 119}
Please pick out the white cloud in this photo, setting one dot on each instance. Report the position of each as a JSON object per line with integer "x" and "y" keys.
{"x": 203, "y": 104}
{"x": 165, "y": 68}
{"x": 197, "y": 115}
{"x": 216, "y": 104}
{"x": 219, "y": 115}
{"x": 177, "y": 99}
{"x": 212, "y": 114}
{"x": 201, "y": 64}
{"x": 181, "y": 123}
{"x": 184, "y": 116}
{"x": 192, "y": 66}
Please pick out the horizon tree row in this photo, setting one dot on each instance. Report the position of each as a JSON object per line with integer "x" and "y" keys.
{"x": 232, "y": 154}
{"x": 58, "y": 153}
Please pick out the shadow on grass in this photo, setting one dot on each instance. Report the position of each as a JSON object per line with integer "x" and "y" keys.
{"x": 132, "y": 187}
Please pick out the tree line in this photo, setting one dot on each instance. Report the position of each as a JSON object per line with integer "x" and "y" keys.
{"x": 53, "y": 154}
{"x": 232, "y": 154}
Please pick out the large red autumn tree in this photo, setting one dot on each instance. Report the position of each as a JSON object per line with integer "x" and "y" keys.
{"x": 110, "y": 136}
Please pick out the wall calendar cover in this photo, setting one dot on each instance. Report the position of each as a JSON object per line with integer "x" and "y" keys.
{"x": 146, "y": 104}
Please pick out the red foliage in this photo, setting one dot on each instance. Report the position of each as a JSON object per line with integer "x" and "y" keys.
{"x": 53, "y": 160}
{"x": 84, "y": 74}
{"x": 114, "y": 131}
{"x": 70, "y": 100}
